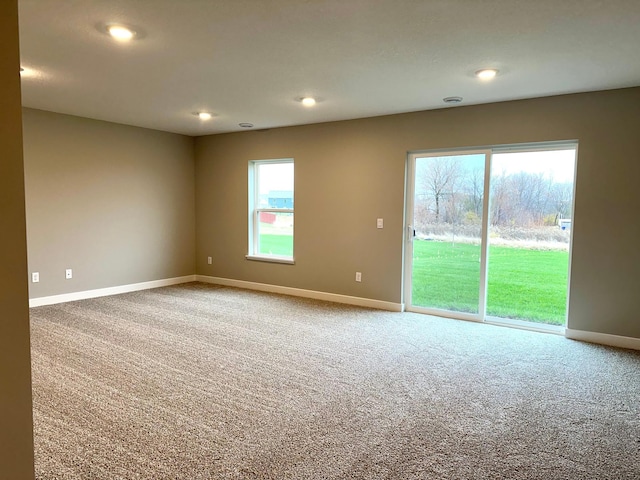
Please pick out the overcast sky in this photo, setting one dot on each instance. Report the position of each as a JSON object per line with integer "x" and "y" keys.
{"x": 558, "y": 165}
{"x": 276, "y": 176}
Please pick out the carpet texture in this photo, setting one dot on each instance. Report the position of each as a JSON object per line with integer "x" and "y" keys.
{"x": 203, "y": 382}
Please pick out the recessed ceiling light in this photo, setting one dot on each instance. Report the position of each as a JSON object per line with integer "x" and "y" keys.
{"x": 121, "y": 33}
{"x": 204, "y": 115}
{"x": 486, "y": 73}
{"x": 308, "y": 101}
{"x": 245, "y": 125}
{"x": 452, "y": 99}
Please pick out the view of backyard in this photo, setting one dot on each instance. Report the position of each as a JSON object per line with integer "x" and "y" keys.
{"x": 524, "y": 283}
{"x": 276, "y": 238}
{"x": 528, "y": 233}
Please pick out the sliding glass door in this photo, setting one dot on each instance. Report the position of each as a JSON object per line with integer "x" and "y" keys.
{"x": 530, "y": 232}
{"x": 446, "y": 206}
{"x": 500, "y": 257}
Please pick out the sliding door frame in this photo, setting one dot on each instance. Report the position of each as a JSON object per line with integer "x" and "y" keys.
{"x": 409, "y": 232}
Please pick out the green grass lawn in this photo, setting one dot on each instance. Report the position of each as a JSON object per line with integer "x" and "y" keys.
{"x": 276, "y": 244}
{"x": 523, "y": 283}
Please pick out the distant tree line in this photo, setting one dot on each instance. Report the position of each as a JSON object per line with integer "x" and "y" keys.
{"x": 450, "y": 194}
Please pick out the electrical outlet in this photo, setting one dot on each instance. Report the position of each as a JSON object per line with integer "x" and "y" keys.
{"x": 68, "y": 273}
{"x": 380, "y": 223}
{"x": 35, "y": 277}
{"x": 358, "y": 276}
{"x": 209, "y": 260}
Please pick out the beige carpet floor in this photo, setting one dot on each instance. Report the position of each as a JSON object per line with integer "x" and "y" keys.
{"x": 204, "y": 382}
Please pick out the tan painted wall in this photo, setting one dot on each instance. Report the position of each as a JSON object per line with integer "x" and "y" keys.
{"x": 349, "y": 173}
{"x": 112, "y": 202}
{"x": 16, "y": 440}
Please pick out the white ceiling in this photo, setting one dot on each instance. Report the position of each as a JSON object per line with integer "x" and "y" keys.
{"x": 249, "y": 60}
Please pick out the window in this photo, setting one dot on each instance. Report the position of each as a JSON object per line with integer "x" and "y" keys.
{"x": 271, "y": 210}
{"x": 490, "y": 233}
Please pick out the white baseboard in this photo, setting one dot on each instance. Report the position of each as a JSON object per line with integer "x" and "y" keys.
{"x": 582, "y": 335}
{"x": 103, "y": 292}
{"x": 299, "y": 292}
{"x": 603, "y": 339}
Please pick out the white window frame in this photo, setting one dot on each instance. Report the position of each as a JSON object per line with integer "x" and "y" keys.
{"x": 255, "y": 211}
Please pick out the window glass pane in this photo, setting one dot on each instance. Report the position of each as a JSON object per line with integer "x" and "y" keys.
{"x": 449, "y": 191}
{"x": 529, "y": 235}
{"x": 275, "y": 187}
{"x": 272, "y": 216}
{"x": 276, "y": 233}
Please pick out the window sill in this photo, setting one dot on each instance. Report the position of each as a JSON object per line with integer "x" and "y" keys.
{"x": 271, "y": 259}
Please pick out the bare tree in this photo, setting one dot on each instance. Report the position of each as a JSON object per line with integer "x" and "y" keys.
{"x": 561, "y": 196}
{"x": 529, "y": 197}
{"x": 500, "y": 201}
{"x": 474, "y": 190}
{"x": 440, "y": 181}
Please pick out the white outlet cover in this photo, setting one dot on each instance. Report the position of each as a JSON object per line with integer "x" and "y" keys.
{"x": 380, "y": 223}
{"x": 35, "y": 277}
{"x": 68, "y": 274}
